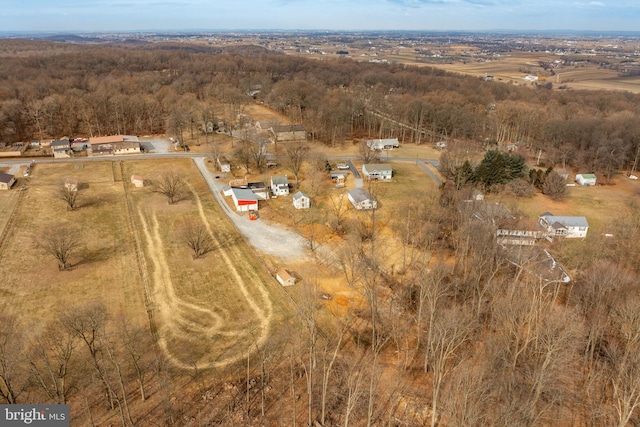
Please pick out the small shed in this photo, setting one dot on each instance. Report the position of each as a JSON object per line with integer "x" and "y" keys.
{"x": 586, "y": 179}
{"x": 137, "y": 180}
{"x": 223, "y": 164}
{"x": 286, "y": 278}
{"x": 6, "y": 180}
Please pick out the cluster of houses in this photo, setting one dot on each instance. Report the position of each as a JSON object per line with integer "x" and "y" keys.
{"x": 96, "y": 146}
{"x": 246, "y": 195}
{"x": 66, "y": 148}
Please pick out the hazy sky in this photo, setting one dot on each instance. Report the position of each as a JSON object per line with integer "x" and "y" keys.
{"x": 125, "y": 15}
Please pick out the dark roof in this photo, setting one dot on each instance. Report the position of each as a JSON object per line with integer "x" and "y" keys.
{"x": 6, "y": 177}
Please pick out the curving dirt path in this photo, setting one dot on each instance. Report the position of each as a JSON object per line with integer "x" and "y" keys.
{"x": 194, "y": 323}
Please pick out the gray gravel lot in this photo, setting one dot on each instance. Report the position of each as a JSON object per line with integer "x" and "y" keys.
{"x": 267, "y": 238}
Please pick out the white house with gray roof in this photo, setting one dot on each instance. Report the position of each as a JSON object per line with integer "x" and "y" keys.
{"x": 564, "y": 226}
{"x": 280, "y": 186}
{"x": 361, "y": 199}
{"x": 377, "y": 171}
{"x": 383, "y": 144}
{"x": 301, "y": 201}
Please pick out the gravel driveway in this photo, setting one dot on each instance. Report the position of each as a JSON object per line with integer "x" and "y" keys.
{"x": 267, "y": 238}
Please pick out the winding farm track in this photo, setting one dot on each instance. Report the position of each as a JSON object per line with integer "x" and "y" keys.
{"x": 196, "y": 323}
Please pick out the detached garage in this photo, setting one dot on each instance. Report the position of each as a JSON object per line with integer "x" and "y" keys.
{"x": 244, "y": 199}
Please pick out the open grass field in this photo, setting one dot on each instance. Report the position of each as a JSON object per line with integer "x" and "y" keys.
{"x": 207, "y": 313}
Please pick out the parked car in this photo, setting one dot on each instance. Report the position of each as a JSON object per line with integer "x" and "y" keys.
{"x": 253, "y": 215}
{"x": 343, "y": 166}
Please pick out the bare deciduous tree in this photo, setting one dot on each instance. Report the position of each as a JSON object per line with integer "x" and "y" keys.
{"x": 69, "y": 193}
{"x": 195, "y": 235}
{"x": 450, "y": 331}
{"x": 88, "y": 324}
{"x": 367, "y": 154}
{"x": 171, "y": 185}
{"x": 50, "y": 360}
{"x": 244, "y": 154}
{"x": 295, "y": 154}
{"x": 12, "y": 379}
{"x": 555, "y": 186}
{"x": 62, "y": 243}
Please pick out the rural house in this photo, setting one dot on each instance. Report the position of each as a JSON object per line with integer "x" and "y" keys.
{"x": 280, "y": 186}
{"x": 586, "y": 179}
{"x": 563, "y": 226}
{"x": 377, "y": 171}
{"x": 244, "y": 199}
{"x": 383, "y": 144}
{"x": 361, "y": 199}
{"x": 61, "y": 149}
{"x": 301, "y": 200}
{"x": 6, "y": 180}
{"x": 113, "y": 145}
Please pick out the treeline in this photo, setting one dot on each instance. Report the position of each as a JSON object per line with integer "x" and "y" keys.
{"x": 165, "y": 88}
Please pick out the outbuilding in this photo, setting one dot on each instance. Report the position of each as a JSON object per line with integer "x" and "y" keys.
{"x": 586, "y": 179}
{"x": 137, "y": 181}
{"x": 285, "y": 278}
{"x": 244, "y": 199}
{"x": 6, "y": 180}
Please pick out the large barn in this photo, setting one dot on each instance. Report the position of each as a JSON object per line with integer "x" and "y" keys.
{"x": 244, "y": 199}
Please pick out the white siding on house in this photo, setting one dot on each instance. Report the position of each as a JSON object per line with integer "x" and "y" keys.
{"x": 301, "y": 201}
{"x": 571, "y": 227}
{"x": 361, "y": 199}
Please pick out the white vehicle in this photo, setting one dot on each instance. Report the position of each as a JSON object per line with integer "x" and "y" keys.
{"x": 343, "y": 166}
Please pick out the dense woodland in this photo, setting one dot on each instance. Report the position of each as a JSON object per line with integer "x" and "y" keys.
{"x": 472, "y": 341}
{"x": 156, "y": 89}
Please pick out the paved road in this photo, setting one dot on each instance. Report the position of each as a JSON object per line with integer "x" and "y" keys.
{"x": 269, "y": 239}
{"x": 424, "y": 167}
